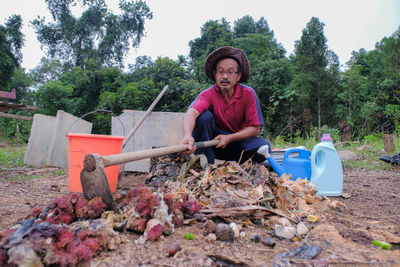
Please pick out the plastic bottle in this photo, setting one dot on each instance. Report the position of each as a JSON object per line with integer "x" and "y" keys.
{"x": 326, "y": 168}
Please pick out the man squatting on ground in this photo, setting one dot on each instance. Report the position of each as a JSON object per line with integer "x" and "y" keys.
{"x": 227, "y": 111}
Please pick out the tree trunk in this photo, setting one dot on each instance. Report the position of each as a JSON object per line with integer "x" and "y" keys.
{"x": 349, "y": 99}
{"x": 388, "y": 143}
{"x": 319, "y": 115}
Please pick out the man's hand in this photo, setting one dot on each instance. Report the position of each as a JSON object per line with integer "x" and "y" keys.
{"x": 247, "y": 132}
{"x": 189, "y": 140}
{"x": 224, "y": 140}
{"x": 188, "y": 123}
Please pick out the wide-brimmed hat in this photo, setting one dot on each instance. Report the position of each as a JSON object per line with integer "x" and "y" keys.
{"x": 227, "y": 52}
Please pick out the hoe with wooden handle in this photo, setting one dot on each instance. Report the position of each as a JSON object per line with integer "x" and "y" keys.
{"x": 93, "y": 177}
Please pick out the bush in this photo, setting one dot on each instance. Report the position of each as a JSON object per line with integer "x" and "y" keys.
{"x": 15, "y": 131}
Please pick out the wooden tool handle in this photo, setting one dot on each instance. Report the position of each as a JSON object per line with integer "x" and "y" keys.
{"x": 137, "y": 125}
{"x": 112, "y": 160}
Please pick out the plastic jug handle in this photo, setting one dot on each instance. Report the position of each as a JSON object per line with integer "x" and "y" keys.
{"x": 303, "y": 154}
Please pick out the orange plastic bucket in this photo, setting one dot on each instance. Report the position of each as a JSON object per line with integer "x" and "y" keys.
{"x": 82, "y": 144}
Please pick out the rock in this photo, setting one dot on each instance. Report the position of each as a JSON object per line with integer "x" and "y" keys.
{"x": 304, "y": 251}
{"x": 273, "y": 220}
{"x": 235, "y": 229}
{"x": 211, "y": 237}
{"x": 224, "y": 232}
{"x": 287, "y": 232}
{"x": 309, "y": 252}
{"x": 168, "y": 228}
{"x": 173, "y": 249}
{"x": 301, "y": 229}
{"x": 210, "y": 227}
{"x": 269, "y": 242}
{"x": 199, "y": 217}
{"x": 284, "y": 222}
{"x": 255, "y": 238}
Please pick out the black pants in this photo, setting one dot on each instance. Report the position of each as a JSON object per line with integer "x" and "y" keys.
{"x": 205, "y": 130}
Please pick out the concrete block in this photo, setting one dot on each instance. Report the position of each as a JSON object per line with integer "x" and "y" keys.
{"x": 38, "y": 143}
{"x": 64, "y": 123}
{"x": 158, "y": 129}
{"x": 48, "y": 144}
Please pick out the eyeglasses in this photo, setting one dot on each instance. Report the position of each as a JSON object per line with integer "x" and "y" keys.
{"x": 229, "y": 72}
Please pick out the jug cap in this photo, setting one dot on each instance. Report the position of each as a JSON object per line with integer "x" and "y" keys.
{"x": 326, "y": 137}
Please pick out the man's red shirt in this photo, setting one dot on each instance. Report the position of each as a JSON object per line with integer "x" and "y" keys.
{"x": 242, "y": 110}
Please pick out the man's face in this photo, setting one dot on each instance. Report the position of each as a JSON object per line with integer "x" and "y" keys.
{"x": 226, "y": 73}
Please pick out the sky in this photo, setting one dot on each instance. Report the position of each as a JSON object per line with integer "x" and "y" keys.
{"x": 349, "y": 24}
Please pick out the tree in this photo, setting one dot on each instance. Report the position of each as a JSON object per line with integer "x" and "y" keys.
{"x": 372, "y": 84}
{"x": 214, "y": 34}
{"x": 47, "y": 70}
{"x": 89, "y": 83}
{"x": 154, "y": 75}
{"x": 11, "y": 42}
{"x": 243, "y": 26}
{"x": 22, "y": 82}
{"x": 270, "y": 75}
{"x": 317, "y": 71}
{"x": 55, "y": 96}
{"x": 390, "y": 48}
{"x": 246, "y": 25}
{"x": 98, "y": 34}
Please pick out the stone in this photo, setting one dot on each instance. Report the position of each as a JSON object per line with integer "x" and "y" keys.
{"x": 224, "y": 232}
{"x": 211, "y": 237}
{"x": 284, "y": 222}
{"x": 210, "y": 227}
{"x": 287, "y": 232}
{"x": 173, "y": 249}
{"x": 255, "y": 238}
{"x": 301, "y": 229}
{"x": 268, "y": 242}
{"x": 235, "y": 229}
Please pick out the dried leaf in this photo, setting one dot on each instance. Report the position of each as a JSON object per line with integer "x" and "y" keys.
{"x": 203, "y": 161}
{"x": 346, "y": 195}
{"x": 312, "y": 218}
{"x": 196, "y": 174}
{"x": 182, "y": 171}
{"x": 281, "y": 203}
{"x": 242, "y": 194}
{"x": 189, "y": 221}
{"x": 259, "y": 191}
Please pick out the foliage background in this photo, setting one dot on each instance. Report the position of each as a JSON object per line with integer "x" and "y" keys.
{"x": 301, "y": 94}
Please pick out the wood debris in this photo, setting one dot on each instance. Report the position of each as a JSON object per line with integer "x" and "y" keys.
{"x": 229, "y": 190}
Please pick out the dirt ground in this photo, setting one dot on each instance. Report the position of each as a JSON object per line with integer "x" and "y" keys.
{"x": 371, "y": 211}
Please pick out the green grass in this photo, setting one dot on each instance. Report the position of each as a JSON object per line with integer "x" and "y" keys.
{"x": 12, "y": 157}
{"x": 51, "y": 173}
{"x": 368, "y": 150}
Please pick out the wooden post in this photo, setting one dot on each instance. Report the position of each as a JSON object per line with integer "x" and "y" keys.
{"x": 17, "y": 133}
{"x": 388, "y": 143}
{"x": 13, "y": 116}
